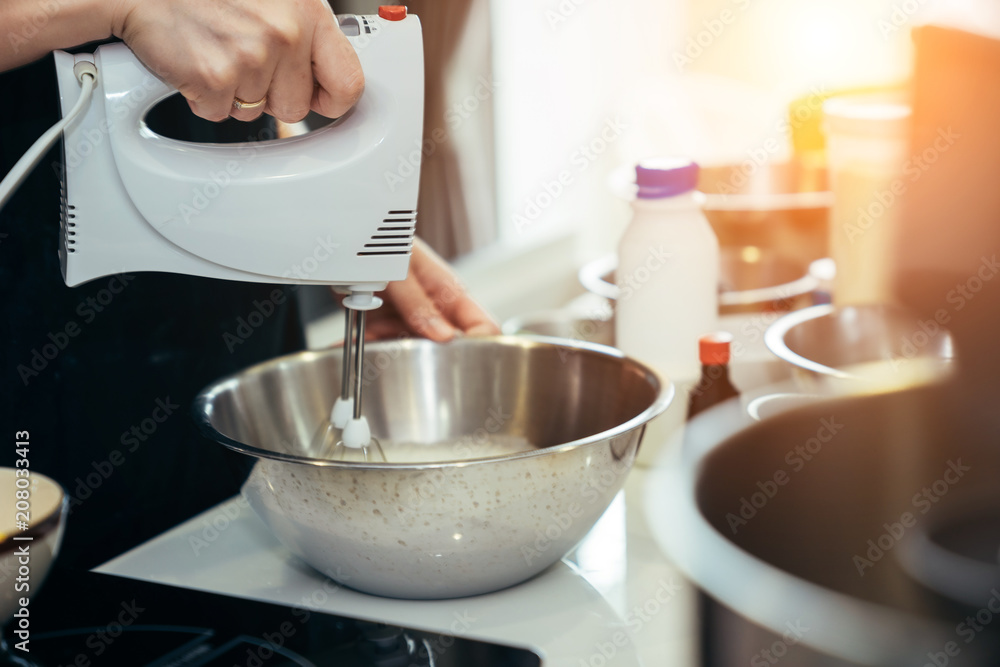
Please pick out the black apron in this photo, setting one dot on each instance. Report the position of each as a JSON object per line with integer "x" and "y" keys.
{"x": 102, "y": 375}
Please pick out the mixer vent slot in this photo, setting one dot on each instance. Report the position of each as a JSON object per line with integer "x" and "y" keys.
{"x": 67, "y": 213}
{"x": 67, "y": 224}
{"x": 394, "y": 236}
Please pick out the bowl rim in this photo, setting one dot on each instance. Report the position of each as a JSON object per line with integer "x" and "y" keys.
{"x": 591, "y": 276}
{"x": 774, "y": 337}
{"x": 202, "y": 405}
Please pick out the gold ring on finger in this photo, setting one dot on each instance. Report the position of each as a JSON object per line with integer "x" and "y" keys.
{"x": 243, "y": 104}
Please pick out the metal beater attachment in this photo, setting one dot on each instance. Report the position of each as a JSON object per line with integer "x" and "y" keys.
{"x": 330, "y": 431}
{"x": 356, "y": 442}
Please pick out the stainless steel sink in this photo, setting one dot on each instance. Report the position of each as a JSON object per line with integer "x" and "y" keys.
{"x": 808, "y": 530}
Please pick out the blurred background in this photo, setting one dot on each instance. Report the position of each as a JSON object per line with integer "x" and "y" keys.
{"x": 534, "y": 106}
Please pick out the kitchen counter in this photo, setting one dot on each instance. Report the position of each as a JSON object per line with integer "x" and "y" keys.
{"x": 614, "y": 600}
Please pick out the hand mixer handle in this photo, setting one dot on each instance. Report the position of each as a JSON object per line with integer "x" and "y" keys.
{"x": 132, "y": 87}
{"x": 302, "y": 209}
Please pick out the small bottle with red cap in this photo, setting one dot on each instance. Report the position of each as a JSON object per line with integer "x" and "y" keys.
{"x": 714, "y": 387}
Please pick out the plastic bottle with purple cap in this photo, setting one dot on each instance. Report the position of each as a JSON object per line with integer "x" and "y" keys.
{"x": 668, "y": 280}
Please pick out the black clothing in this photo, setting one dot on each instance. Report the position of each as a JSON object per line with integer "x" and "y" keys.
{"x": 102, "y": 375}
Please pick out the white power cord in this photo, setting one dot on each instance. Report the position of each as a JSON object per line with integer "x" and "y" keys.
{"x": 86, "y": 74}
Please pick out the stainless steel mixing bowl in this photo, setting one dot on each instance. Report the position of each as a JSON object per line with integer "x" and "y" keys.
{"x": 441, "y": 529}
{"x": 850, "y": 348}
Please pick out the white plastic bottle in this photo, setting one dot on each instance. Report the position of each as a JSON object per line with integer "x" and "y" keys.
{"x": 668, "y": 280}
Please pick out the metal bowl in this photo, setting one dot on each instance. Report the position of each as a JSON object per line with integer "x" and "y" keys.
{"x": 853, "y": 347}
{"x": 440, "y": 529}
{"x": 751, "y": 279}
{"x": 44, "y": 506}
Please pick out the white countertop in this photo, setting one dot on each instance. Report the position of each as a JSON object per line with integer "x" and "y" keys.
{"x": 614, "y": 600}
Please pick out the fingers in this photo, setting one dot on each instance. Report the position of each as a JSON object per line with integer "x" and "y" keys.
{"x": 450, "y": 297}
{"x": 337, "y": 70}
{"x": 291, "y": 88}
{"x": 291, "y": 53}
{"x": 471, "y": 318}
{"x": 298, "y": 64}
{"x": 290, "y": 95}
{"x": 253, "y": 87}
{"x": 417, "y": 309}
{"x": 386, "y": 328}
{"x": 211, "y": 97}
{"x": 462, "y": 311}
{"x": 431, "y": 301}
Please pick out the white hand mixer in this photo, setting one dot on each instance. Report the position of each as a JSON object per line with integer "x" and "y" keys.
{"x": 328, "y": 207}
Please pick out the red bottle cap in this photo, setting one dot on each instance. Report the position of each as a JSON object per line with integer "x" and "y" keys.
{"x": 713, "y": 348}
{"x": 392, "y": 12}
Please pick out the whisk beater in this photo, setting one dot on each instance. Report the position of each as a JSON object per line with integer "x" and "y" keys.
{"x": 346, "y": 436}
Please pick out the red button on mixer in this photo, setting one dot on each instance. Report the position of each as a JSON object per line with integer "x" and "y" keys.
{"x": 392, "y": 12}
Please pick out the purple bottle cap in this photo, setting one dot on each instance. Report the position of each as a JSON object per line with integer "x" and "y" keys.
{"x": 665, "y": 177}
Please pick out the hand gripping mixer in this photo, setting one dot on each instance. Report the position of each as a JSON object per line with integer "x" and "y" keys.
{"x": 324, "y": 208}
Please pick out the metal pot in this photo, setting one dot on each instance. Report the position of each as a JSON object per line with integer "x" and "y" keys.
{"x": 852, "y": 348}
{"x": 751, "y": 280}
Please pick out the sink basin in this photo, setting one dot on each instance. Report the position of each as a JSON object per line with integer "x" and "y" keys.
{"x": 809, "y": 519}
